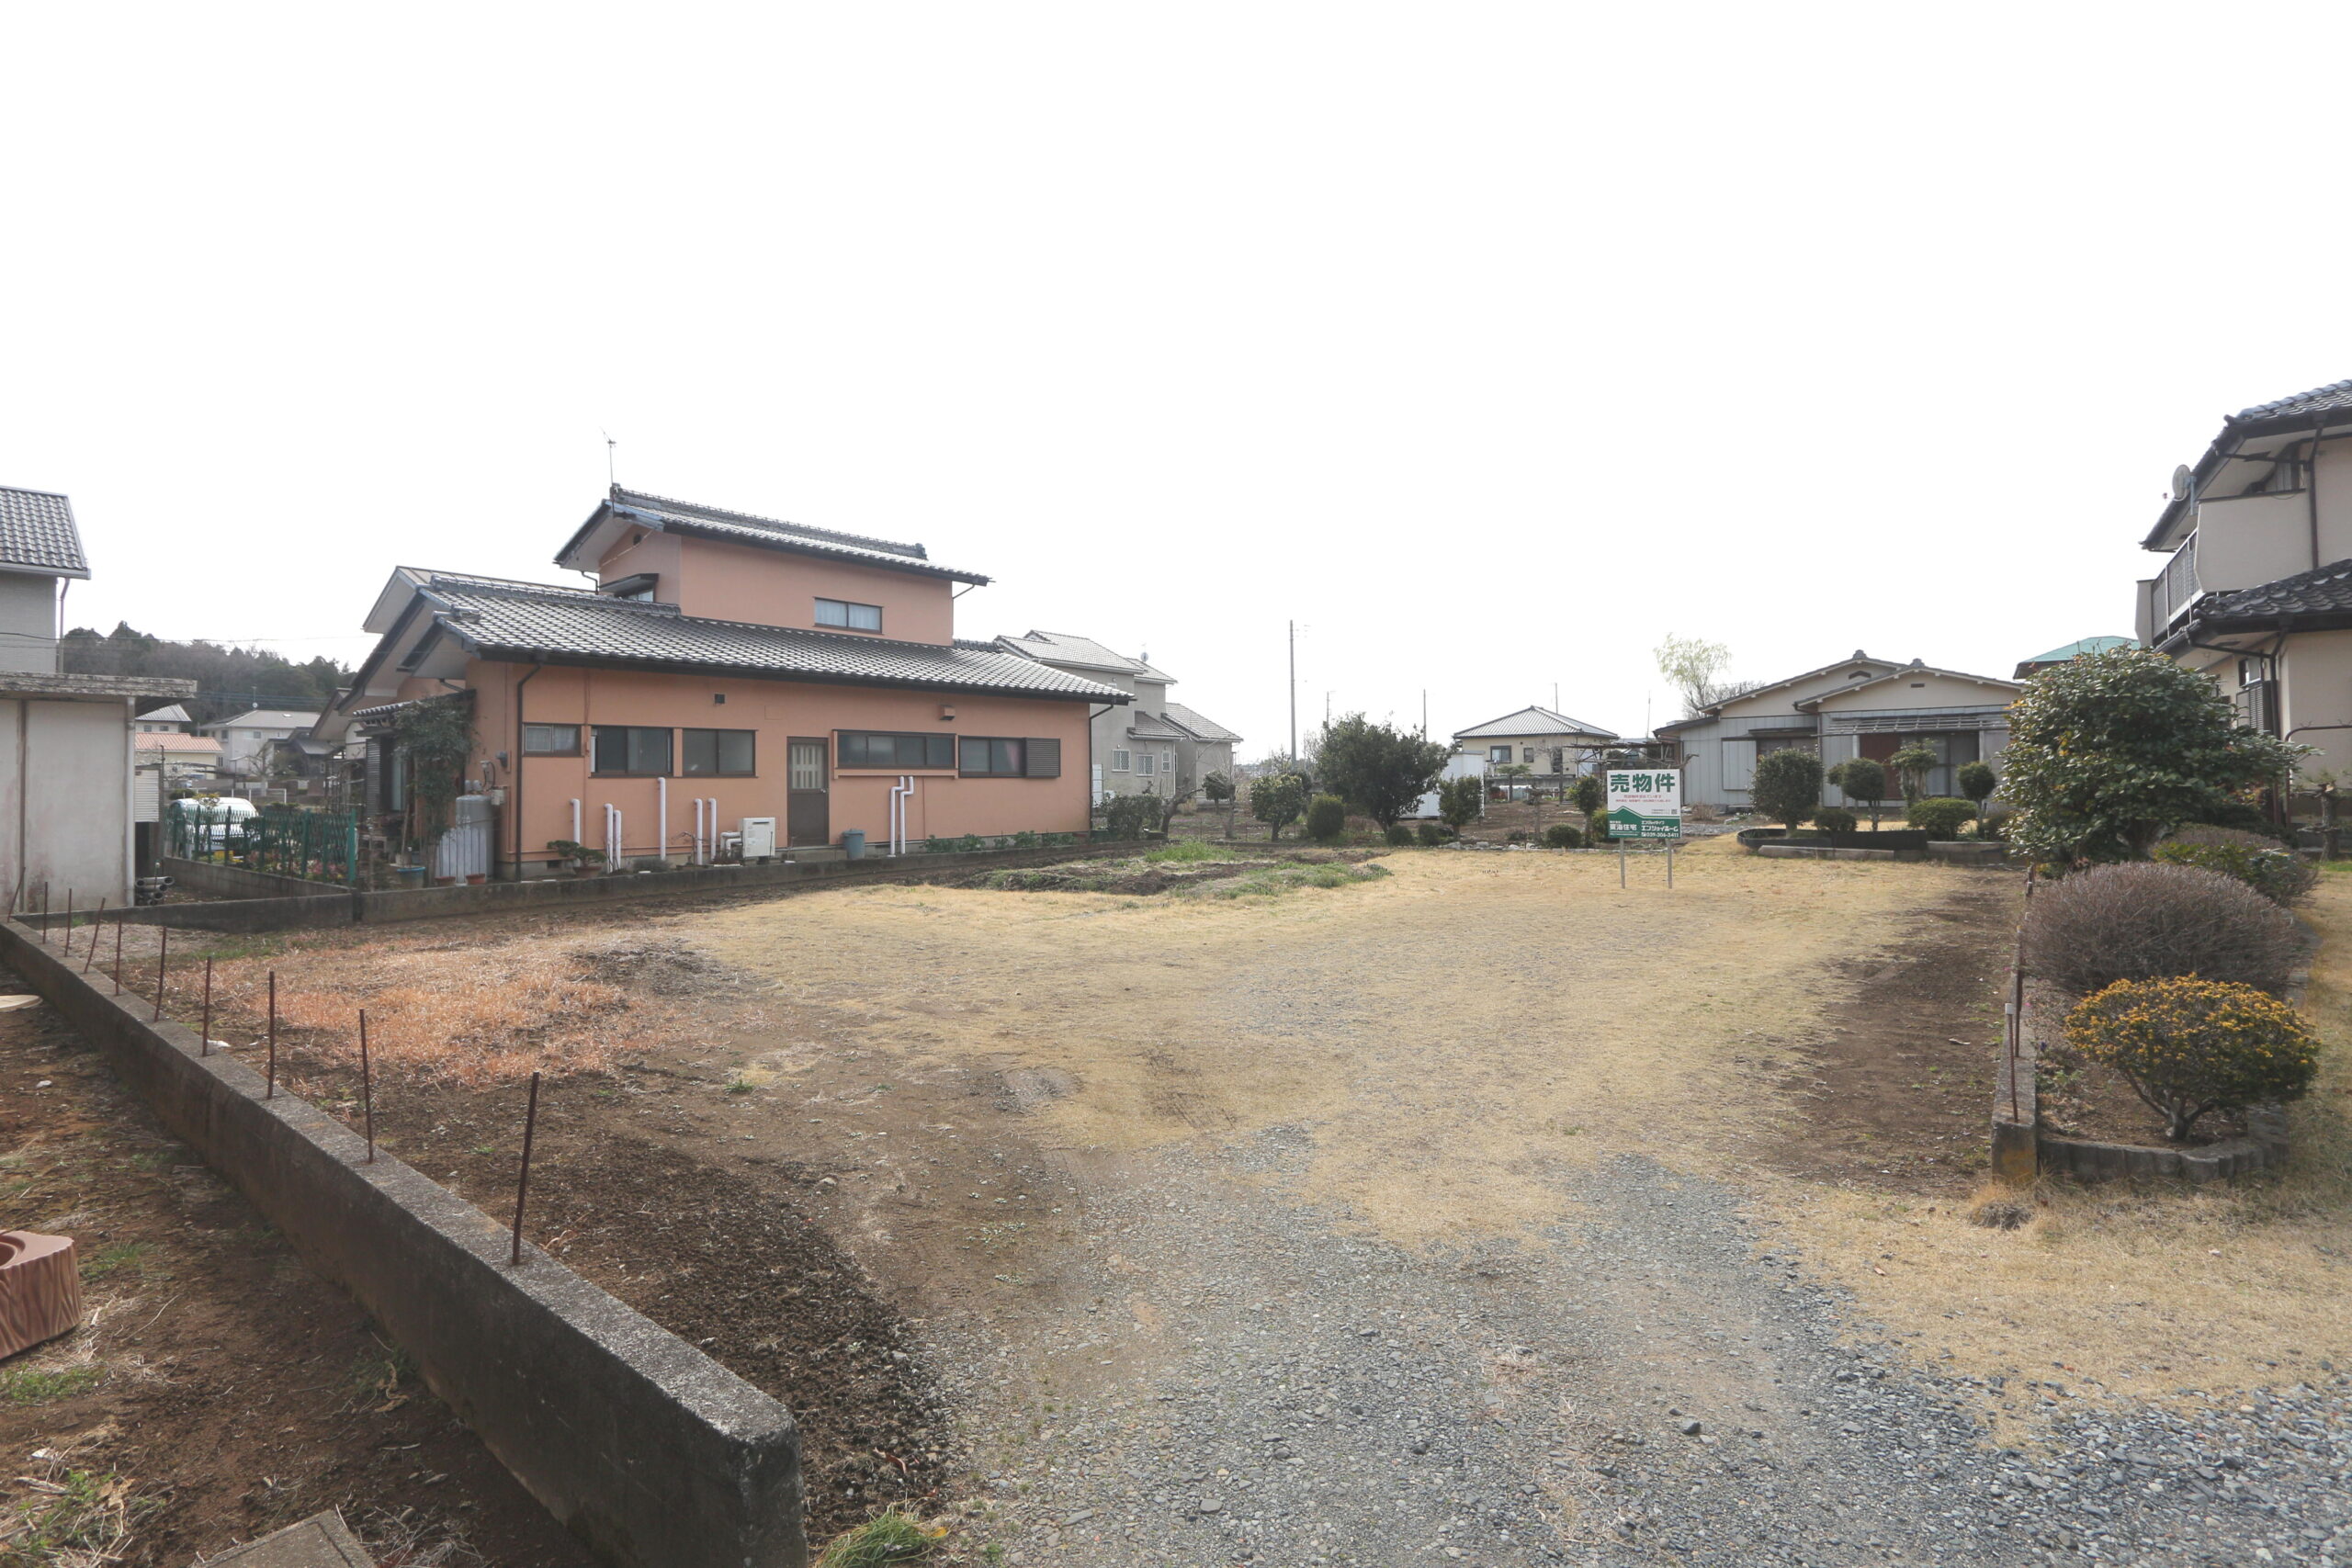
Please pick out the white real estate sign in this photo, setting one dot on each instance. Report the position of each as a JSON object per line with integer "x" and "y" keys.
{"x": 1645, "y": 803}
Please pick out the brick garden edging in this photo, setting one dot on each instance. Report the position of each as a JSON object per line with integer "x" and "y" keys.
{"x": 650, "y": 1452}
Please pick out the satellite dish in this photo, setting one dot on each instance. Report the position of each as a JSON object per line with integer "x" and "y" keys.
{"x": 2183, "y": 482}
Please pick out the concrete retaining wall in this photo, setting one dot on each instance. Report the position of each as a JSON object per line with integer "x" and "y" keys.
{"x": 341, "y": 908}
{"x": 650, "y": 1452}
{"x": 236, "y": 882}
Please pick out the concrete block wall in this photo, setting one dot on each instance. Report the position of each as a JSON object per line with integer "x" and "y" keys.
{"x": 650, "y": 1452}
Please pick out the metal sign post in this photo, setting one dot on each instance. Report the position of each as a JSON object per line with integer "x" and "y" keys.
{"x": 1645, "y": 803}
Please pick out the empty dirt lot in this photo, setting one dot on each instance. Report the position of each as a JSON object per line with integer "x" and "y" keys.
{"x": 1484, "y": 1212}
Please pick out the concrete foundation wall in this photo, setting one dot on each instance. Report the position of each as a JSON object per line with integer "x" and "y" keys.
{"x": 236, "y": 882}
{"x": 647, "y": 1449}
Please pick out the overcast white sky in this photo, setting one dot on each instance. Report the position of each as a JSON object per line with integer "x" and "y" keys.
{"x": 1490, "y": 343}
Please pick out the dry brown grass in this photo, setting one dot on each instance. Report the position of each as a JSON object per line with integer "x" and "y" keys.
{"x": 477, "y": 1012}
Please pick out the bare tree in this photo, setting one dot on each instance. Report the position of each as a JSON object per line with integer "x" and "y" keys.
{"x": 1696, "y": 667}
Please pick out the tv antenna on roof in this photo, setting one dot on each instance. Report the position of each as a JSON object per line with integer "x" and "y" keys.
{"x": 609, "y": 444}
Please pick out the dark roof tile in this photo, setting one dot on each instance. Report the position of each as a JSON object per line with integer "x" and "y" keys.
{"x": 37, "y": 532}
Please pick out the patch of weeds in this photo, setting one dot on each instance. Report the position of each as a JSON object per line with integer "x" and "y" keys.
{"x": 992, "y": 1238}
{"x": 1184, "y": 849}
{"x": 28, "y": 1385}
{"x": 377, "y": 1375}
{"x": 740, "y": 1086}
{"x": 893, "y": 1536}
{"x": 485, "y": 1148}
{"x": 83, "y": 1518}
{"x": 122, "y": 1257}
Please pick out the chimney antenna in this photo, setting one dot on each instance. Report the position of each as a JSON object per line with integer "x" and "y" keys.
{"x": 609, "y": 444}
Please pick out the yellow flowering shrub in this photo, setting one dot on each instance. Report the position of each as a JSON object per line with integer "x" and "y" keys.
{"x": 2190, "y": 1046}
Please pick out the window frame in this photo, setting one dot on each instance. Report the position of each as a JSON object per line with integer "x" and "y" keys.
{"x": 1122, "y": 761}
{"x": 718, "y": 756}
{"x": 669, "y": 747}
{"x": 529, "y": 750}
{"x": 848, "y": 623}
{"x": 841, "y": 763}
{"x": 1018, "y": 756}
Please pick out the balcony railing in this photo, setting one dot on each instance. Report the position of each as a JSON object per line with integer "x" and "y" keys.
{"x": 2176, "y": 587}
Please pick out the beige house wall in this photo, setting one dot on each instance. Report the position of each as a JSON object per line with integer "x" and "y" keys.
{"x": 1925, "y": 689}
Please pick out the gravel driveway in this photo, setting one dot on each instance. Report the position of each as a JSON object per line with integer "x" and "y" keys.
{"x": 1424, "y": 1221}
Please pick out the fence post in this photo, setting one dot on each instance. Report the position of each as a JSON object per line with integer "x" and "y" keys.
{"x": 271, "y": 1093}
{"x": 522, "y": 1181}
{"x": 204, "y": 1041}
{"x": 92, "y": 956}
{"x": 163, "y": 956}
{"x": 366, "y": 1089}
{"x": 118, "y": 958}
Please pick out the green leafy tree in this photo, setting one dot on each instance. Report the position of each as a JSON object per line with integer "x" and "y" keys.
{"x": 1217, "y": 788}
{"x": 1939, "y": 816}
{"x": 2110, "y": 750}
{"x": 1277, "y": 800}
{"x": 1378, "y": 770}
{"x": 1590, "y": 795}
{"x": 1327, "y": 818}
{"x": 1977, "y": 782}
{"x": 1864, "y": 780}
{"x": 1460, "y": 801}
{"x": 1787, "y": 786}
{"x": 1911, "y": 764}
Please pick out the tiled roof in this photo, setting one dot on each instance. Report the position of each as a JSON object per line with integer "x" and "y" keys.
{"x": 688, "y": 517}
{"x": 611, "y": 631}
{"x": 1151, "y": 726}
{"x": 266, "y": 718}
{"x": 1203, "y": 728}
{"x": 1064, "y": 648}
{"x": 2335, "y": 395}
{"x": 2327, "y": 590}
{"x": 37, "y": 533}
{"x": 1532, "y": 721}
{"x": 170, "y": 713}
{"x": 172, "y": 740}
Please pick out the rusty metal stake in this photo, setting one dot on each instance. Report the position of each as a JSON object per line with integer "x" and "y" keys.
{"x": 522, "y": 1181}
{"x": 366, "y": 1090}
{"x": 44, "y": 914}
{"x": 204, "y": 1038}
{"x": 118, "y": 958}
{"x": 92, "y": 956}
{"x": 272, "y": 1093}
{"x": 162, "y": 955}
{"x": 69, "y": 922}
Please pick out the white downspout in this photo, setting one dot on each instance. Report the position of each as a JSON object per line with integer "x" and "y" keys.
{"x": 710, "y": 828}
{"x": 697, "y": 843}
{"x": 661, "y": 822}
{"x": 575, "y": 821}
{"x": 906, "y": 816}
{"x": 891, "y": 832}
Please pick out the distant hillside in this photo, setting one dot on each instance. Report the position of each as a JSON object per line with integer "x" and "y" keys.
{"x": 229, "y": 680}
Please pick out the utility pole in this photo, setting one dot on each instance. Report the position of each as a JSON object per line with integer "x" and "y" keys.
{"x": 1294, "y": 690}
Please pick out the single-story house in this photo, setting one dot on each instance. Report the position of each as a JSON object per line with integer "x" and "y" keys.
{"x": 66, "y": 796}
{"x": 1554, "y": 747}
{"x": 725, "y": 668}
{"x": 1857, "y": 707}
{"x": 1152, "y": 747}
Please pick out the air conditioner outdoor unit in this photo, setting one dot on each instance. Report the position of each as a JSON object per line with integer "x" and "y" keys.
{"x": 759, "y": 838}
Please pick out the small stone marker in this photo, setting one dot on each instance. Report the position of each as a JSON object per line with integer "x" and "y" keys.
{"x": 319, "y": 1542}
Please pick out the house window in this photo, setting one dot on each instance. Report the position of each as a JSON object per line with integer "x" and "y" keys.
{"x": 632, "y": 749}
{"x": 984, "y": 757}
{"x": 550, "y": 740}
{"x": 1120, "y": 761}
{"x": 1530, "y": 756}
{"x": 1499, "y": 755}
{"x": 1168, "y": 764}
{"x": 871, "y": 748}
{"x": 848, "y": 616}
{"x": 1146, "y": 763}
{"x": 718, "y": 754}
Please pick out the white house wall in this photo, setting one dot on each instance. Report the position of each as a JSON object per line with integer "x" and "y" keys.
{"x": 65, "y": 800}
{"x": 27, "y": 623}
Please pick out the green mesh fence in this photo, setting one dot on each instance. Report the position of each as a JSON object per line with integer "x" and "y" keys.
{"x": 286, "y": 841}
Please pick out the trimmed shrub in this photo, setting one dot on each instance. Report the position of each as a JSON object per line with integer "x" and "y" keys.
{"x": 1862, "y": 779}
{"x": 1994, "y": 824}
{"x": 1432, "y": 834}
{"x": 1399, "y": 835}
{"x": 1516, "y": 836}
{"x": 1562, "y": 836}
{"x": 1326, "y": 817}
{"x": 1590, "y": 795}
{"x": 2245, "y": 818}
{"x": 1977, "y": 782}
{"x": 1131, "y": 816}
{"x": 1277, "y": 800}
{"x": 2144, "y": 921}
{"x": 1786, "y": 786}
{"x": 1461, "y": 802}
{"x": 1836, "y": 819}
{"x": 2191, "y": 1046}
{"x": 2279, "y": 875}
{"x": 1940, "y": 816}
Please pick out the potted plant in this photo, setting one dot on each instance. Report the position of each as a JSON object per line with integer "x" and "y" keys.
{"x": 583, "y": 861}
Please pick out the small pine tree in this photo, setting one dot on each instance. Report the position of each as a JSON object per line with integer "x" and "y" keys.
{"x": 1787, "y": 786}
